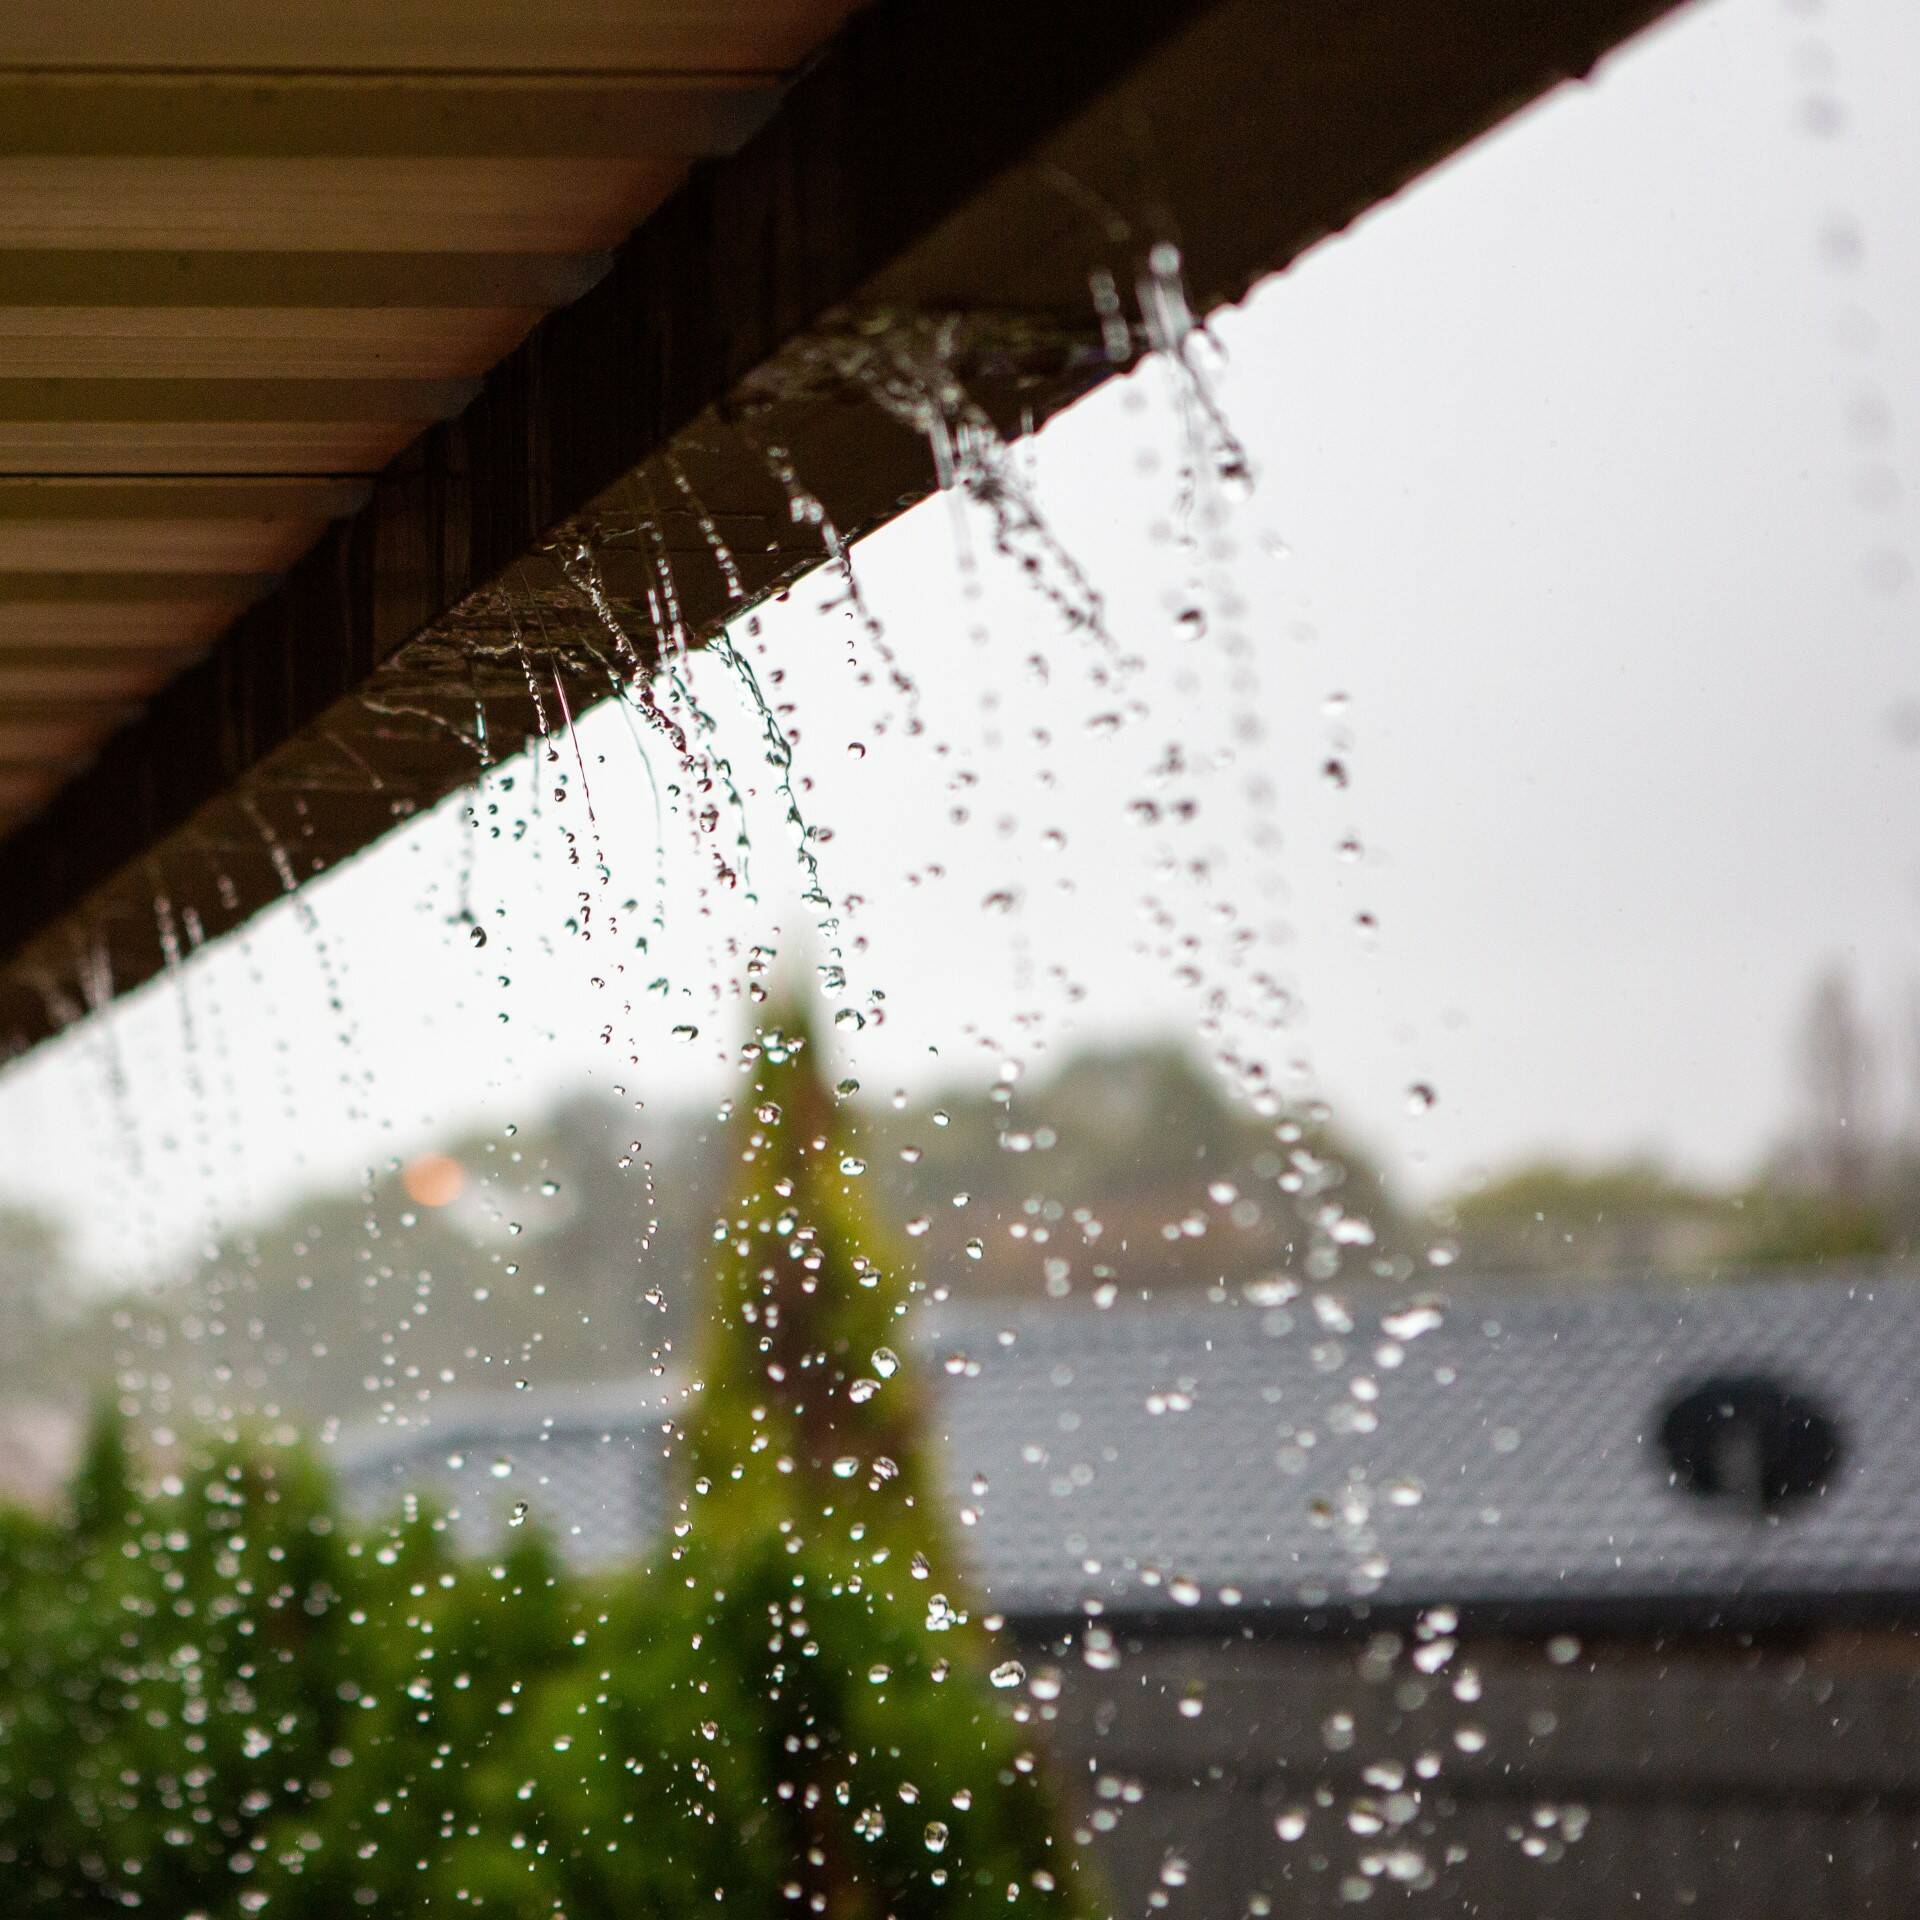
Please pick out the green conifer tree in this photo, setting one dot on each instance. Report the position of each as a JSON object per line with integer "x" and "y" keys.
{"x": 897, "y": 1780}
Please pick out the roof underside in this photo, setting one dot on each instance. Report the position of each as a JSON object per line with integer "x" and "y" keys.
{"x": 275, "y": 432}
{"x": 247, "y": 254}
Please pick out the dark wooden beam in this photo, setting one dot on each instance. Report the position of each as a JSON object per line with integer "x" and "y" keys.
{"x": 972, "y": 158}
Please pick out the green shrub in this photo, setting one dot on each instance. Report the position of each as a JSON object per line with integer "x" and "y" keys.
{"x": 215, "y": 1700}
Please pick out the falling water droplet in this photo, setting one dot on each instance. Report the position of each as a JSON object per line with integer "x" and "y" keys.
{"x": 1409, "y": 1322}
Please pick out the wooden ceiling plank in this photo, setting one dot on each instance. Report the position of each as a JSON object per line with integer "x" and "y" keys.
{"x": 29, "y": 740}
{"x": 56, "y": 676}
{"x": 247, "y": 280}
{"x": 101, "y": 587}
{"x": 196, "y": 546}
{"x": 22, "y": 789}
{"x": 434, "y": 35}
{"x": 420, "y": 116}
{"x": 148, "y": 402}
{"x": 404, "y": 343}
{"x": 163, "y": 629}
{"x": 266, "y": 497}
{"x": 203, "y": 447}
{"x": 329, "y": 205}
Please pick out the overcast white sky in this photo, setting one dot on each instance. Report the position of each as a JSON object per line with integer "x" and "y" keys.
{"x": 1572, "y": 543}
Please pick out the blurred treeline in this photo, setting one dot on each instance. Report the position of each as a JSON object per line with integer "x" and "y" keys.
{"x": 1125, "y": 1175}
{"x": 1841, "y": 1184}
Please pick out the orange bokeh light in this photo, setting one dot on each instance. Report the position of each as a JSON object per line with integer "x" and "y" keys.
{"x": 433, "y": 1179}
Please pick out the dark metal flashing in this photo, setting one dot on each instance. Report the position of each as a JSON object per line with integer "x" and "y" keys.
{"x": 978, "y": 158}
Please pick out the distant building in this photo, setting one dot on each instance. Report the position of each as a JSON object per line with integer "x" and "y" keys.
{"x": 1563, "y": 1605}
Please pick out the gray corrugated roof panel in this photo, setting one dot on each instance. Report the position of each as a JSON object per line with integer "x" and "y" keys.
{"x": 1272, "y": 1459}
{"x": 1521, "y": 1434}
{"x": 589, "y": 1462}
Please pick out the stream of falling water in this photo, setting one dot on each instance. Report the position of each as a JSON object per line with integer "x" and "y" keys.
{"x": 754, "y": 833}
